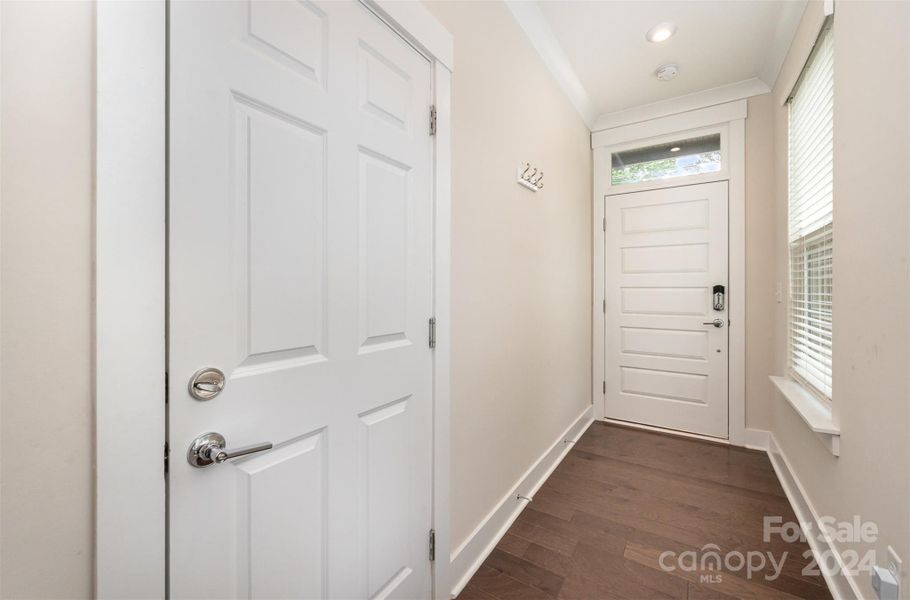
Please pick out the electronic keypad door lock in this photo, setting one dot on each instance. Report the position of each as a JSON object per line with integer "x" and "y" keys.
{"x": 718, "y": 297}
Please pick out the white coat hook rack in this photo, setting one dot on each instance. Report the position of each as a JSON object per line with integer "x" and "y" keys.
{"x": 530, "y": 177}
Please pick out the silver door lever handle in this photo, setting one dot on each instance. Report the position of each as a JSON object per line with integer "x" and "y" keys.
{"x": 715, "y": 322}
{"x": 209, "y": 448}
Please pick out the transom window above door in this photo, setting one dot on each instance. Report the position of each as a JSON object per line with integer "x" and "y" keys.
{"x": 679, "y": 158}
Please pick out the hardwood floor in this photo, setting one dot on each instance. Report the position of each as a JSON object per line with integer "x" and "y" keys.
{"x": 622, "y": 497}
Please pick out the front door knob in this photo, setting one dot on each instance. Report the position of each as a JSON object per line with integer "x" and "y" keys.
{"x": 715, "y": 322}
{"x": 209, "y": 448}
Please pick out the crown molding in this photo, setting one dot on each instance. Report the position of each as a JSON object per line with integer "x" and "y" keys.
{"x": 681, "y": 104}
{"x": 531, "y": 20}
{"x": 784, "y": 31}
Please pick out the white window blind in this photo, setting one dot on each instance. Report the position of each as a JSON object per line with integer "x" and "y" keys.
{"x": 811, "y": 240}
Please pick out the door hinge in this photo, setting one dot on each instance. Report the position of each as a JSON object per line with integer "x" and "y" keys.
{"x": 166, "y": 454}
{"x": 432, "y": 545}
{"x": 605, "y": 224}
{"x": 605, "y": 387}
{"x": 605, "y": 306}
{"x": 432, "y": 119}
{"x": 432, "y": 332}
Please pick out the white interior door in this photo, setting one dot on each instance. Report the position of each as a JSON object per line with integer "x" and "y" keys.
{"x": 666, "y": 363}
{"x": 300, "y": 257}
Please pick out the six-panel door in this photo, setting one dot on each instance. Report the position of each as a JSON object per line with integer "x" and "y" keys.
{"x": 666, "y": 364}
{"x": 300, "y": 249}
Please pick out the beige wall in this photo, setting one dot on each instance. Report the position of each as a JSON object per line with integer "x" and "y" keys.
{"x": 521, "y": 262}
{"x": 760, "y": 268}
{"x": 871, "y": 279}
{"x": 46, "y": 179}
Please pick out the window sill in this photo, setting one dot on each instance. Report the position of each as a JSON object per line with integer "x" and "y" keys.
{"x": 814, "y": 413}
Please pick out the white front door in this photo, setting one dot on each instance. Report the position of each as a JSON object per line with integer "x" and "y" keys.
{"x": 300, "y": 264}
{"x": 666, "y": 361}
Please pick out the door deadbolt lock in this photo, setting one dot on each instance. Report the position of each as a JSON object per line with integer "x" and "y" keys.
{"x": 206, "y": 383}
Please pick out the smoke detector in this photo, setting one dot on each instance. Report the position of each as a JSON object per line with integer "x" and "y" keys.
{"x": 667, "y": 72}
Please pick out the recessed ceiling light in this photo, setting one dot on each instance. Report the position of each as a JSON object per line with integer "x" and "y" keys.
{"x": 674, "y": 149}
{"x": 661, "y": 32}
{"x": 667, "y": 72}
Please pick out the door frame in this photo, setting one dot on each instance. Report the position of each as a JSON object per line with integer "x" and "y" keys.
{"x": 728, "y": 119}
{"x": 131, "y": 288}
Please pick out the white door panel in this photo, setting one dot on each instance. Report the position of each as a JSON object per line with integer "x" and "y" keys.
{"x": 300, "y": 248}
{"x": 665, "y": 250}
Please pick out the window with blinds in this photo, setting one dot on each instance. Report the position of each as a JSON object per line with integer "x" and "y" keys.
{"x": 811, "y": 239}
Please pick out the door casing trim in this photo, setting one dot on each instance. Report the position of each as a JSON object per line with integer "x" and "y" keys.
{"x": 130, "y": 288}
{"x": 728, "y": 119}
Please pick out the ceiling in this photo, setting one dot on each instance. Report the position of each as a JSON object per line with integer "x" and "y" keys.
{"x": 718, "y": 42}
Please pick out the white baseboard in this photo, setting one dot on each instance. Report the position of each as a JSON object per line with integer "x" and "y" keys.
{"x": 468, "y": 557}
{"x": 755, "y": 439}
{"x": 843, "y": 584}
